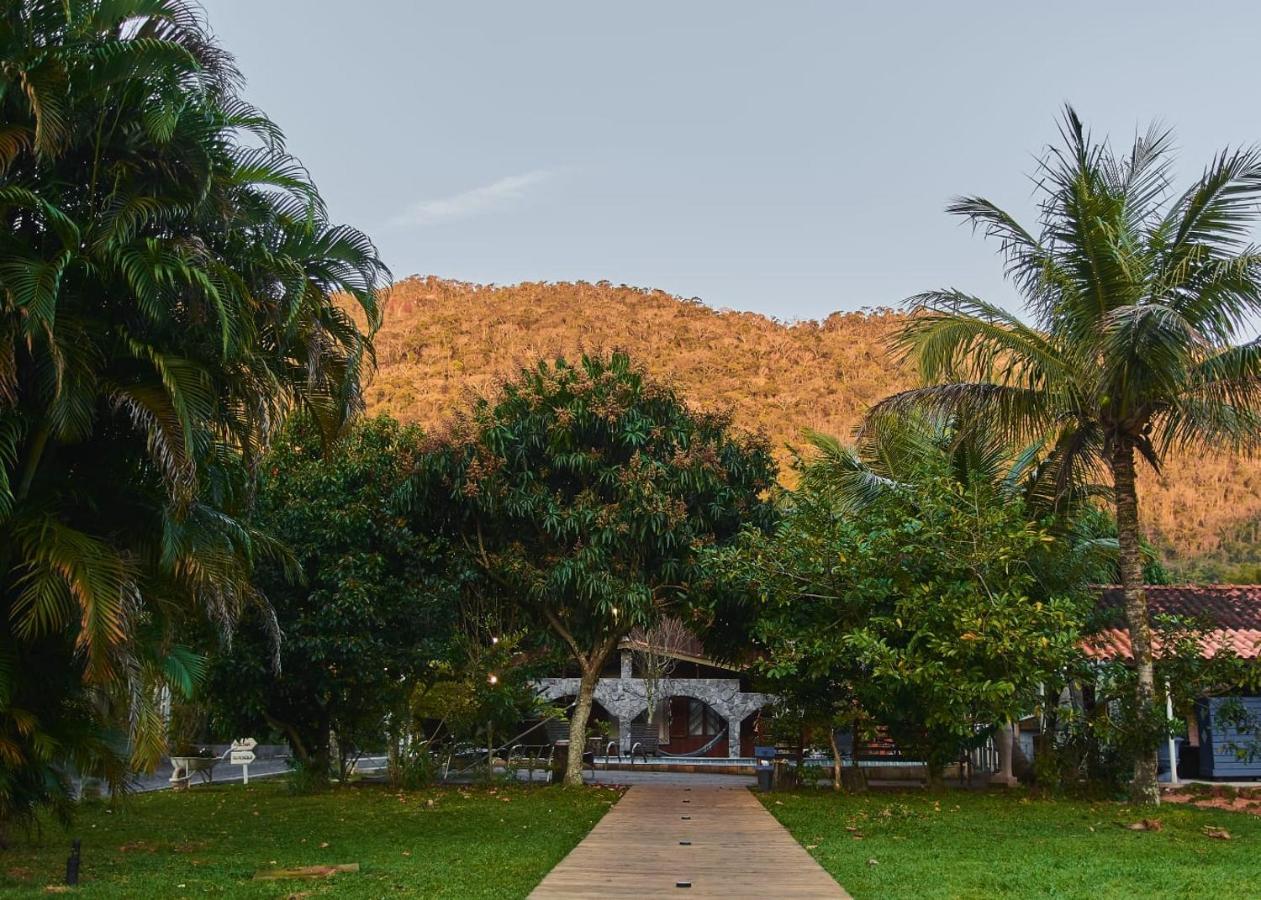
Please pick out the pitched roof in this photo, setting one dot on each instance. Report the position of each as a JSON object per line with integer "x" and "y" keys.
{"x": 1231, "y": 613}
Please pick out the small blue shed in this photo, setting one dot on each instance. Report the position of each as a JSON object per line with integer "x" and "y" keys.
{"x": 1221, "y": 741}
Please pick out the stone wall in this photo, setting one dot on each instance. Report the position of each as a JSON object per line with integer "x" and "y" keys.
{"x": 625, "y": 698}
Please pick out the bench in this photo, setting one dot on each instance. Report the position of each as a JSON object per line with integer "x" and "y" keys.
{"x": 645, "y": 740}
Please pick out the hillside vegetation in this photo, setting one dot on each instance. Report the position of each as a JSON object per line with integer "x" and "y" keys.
{"x": 444, "y": 342}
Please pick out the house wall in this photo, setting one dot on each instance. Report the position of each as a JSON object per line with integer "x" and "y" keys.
{"x": 1220, "y": 742}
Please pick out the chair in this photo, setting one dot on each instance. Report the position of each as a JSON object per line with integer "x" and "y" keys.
{"x": 645, "y": 740}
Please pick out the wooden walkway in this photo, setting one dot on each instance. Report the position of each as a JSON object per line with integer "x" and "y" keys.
{"x": 688, "y": 842}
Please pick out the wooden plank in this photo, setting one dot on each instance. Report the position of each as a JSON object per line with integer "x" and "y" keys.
{"x": 734, "y": 849}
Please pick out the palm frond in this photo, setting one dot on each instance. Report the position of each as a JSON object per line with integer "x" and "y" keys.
{"x": 1216, "y": 213}
{"x": 955, "y": 336}
{"x": 1032, "y": 267}
{"x": 837, "y": 472}
{"x": 170, "y": 290}
{"x": 61, "y": 561}
{"x": 1014, "y": 415}
{"x": 1147, "y": 351}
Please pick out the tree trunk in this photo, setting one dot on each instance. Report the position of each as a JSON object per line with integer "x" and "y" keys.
{"x": 317, "y": 767}
{"x": 1003, "y": 743}
{"x": 311, "y": 755}
{"x": 836, "y": 759}
{"x": 394, "y": 757}
{"x": 1144, "y": 788}
{"x": 578, "y": 722}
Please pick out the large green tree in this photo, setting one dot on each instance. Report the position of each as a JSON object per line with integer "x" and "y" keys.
{"x": 586, "y": 490}
{"x": 916, "y": 600}
{"x": 1136, "y": 297}
{"x": 370, "y": 618}
{"x": 167, "y": 283}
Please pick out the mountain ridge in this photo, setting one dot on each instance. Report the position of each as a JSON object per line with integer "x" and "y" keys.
{"x": 444, "y": 342}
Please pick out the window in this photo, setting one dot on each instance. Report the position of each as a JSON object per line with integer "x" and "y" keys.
{"x": 701, "y": 720}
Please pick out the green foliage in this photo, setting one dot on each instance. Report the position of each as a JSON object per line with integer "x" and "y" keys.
{"x": 1138, "y": 298}
{"x": 485, "y": 687}
{"x": 934, "y": 604}
{"x": 167, "y": 274}
{"x": 1095, "y": 524}
{"x": 1246, "y": 571}
{"x": 592, "y": 487}
{"x": 585, "y": 492}
{"x": 1091, "y": 742}
{"x": 370, "y": 616}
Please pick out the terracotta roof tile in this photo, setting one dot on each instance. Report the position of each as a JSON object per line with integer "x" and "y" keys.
{"x": 1232, "y": 611}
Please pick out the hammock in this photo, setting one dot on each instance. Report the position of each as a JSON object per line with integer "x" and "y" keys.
{"x": 699, "y": 751}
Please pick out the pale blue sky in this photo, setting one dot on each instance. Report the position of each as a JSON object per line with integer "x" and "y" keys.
{"x": 786, "y": 157}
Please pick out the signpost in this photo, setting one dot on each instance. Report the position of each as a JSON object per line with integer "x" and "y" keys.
{"x": 242, "y": 754}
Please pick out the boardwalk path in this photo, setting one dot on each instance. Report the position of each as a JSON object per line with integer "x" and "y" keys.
{"x": 737, "y": 850}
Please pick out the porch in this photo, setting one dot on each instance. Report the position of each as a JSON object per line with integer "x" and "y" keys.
{"x": 691, "y": 717}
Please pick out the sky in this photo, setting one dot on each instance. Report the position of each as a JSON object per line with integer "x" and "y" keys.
{"x": 789, "y": 157}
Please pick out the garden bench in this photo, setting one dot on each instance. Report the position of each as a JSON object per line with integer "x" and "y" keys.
{"x": 645, "y": 741}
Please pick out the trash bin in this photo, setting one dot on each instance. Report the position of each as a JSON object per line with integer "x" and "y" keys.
{"x": 765, "y": 757}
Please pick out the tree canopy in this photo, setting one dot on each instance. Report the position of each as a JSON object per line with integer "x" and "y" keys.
{"x": 167, "y": 283}
{"x": 372, "y": 615}
{"x": 927, "y": 598}
{"x": 1138, "y": 299}
{"x": 585, "y": 491}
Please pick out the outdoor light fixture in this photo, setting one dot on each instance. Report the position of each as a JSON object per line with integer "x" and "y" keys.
{"x": 494, "y": 640}
{"x": 493, "y": 679}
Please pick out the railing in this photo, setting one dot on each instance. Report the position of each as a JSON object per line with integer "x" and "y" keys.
{"x": 985, "y": 757}
{"x": 532, "y": 755}
{"x": 513, "y": 750}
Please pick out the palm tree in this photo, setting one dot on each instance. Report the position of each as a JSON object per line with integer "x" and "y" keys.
{"x": 910, "y": 446}
{"x": 1137, "y": 297}
{"x": 169, "y": 285}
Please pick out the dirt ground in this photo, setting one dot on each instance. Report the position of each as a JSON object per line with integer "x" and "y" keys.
{"x": 1245, "y": 800}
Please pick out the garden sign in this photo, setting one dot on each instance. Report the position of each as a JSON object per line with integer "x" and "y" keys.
{"x": 242, "y": 754}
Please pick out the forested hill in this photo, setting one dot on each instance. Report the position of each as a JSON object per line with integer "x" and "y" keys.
{"x": 444, "y": 341}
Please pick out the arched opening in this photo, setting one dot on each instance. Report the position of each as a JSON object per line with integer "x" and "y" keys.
{"x": 689, "y": 725}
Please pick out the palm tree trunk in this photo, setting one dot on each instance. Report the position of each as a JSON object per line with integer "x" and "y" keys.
{"x": 1144, "y": 788}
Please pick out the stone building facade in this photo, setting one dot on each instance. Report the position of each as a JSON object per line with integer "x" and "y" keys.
{"x": 626, "y": 697}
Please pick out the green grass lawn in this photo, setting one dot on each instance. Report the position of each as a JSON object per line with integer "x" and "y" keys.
{"x": 988, "y": 845}
{"x": 443, "y": 842}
